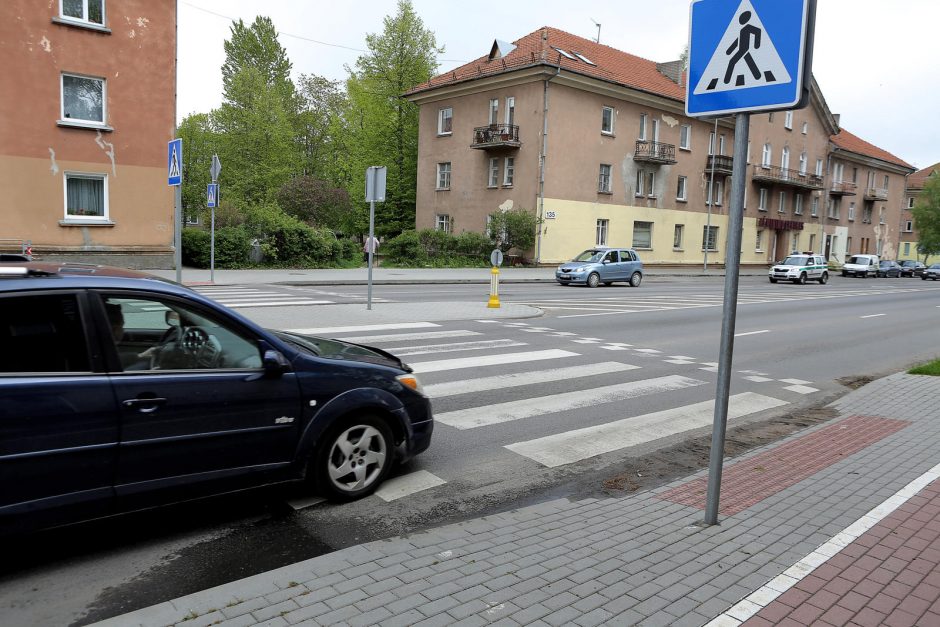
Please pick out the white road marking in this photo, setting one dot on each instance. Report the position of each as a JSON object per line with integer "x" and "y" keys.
{"x": 751, "y": 333}
{"x": 757, "y": 379}
{"x": 240, "y": 305}
{"x": 795, "y": 381}
{"x": 404, "y": 337}
{"x": 801, "y": 389}
{"x": 406, "y": 485}
{"x": 364, "y": 327}
{"x": 680, "y": 362}
{"x": 456, "y": 346}
{"x": 474, "y": 417}
{"x": 566, "y": 448}
{"x": 873, "y": 316}
{"x": 503, "y": 381}
{"x": 765, "y": 595}
{"x": 488, "y": 360}
{"x": 306, "y": 502}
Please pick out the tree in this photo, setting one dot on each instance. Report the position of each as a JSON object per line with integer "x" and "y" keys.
{"x": 256, "y": 46}
{"x": 383, "y": 127}
{"x": 322, "y": 132}
{"x": 515, "y": 228}
{"x": 927, "y": 218}
{"x": 200, "y": 142}
{"x": 316, "y": 202}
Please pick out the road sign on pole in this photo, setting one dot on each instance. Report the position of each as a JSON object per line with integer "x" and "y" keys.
{"x": 215, "y": 168}
{"x": 174, "y": 178}
{"x": 174, "y": 162}
{"x": 749, "y": 55}
{"x": 375, "y": 192}
{"x": 212, "y": 195}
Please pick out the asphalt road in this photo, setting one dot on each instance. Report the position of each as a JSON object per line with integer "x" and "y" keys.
{"x": 511, "y": 431}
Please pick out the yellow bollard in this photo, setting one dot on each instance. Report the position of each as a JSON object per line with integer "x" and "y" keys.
{"x": 494, "y": 289}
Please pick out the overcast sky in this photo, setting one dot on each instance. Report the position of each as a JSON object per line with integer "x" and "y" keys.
{"x": 875, "y": 61}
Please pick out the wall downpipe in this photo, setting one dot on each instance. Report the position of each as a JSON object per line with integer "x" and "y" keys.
{"x": 542, "y": 156}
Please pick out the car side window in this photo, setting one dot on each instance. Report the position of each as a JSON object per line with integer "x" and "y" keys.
{"x": 156, "y": 334}
{"x": 626, "y": 255}
{"x": 613, "y": 257}
{"x": 42, "y": 334}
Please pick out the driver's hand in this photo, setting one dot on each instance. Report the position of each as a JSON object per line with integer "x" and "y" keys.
{"x": 147, "y": 353}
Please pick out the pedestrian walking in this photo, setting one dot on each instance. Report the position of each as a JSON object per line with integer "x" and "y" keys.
{"x": 371, "y": 246}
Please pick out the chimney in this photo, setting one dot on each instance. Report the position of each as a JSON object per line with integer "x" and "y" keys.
{"x": 673, "y": 70}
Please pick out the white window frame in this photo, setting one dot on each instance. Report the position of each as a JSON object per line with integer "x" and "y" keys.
{"x": 655, "y": 129}
{"x": 442, "y": 222}
{"x": 510, "y": 110}
{"x": 84, "y": 19}
{"x": 106, "y": 210}
{"x": 812, "y": 242}
{"x": 493, "y": 178}
{"x": 758, "y": 243}
{"x": 600, "y": 233}
{"x": 649, "y": 227}
{"x": 603, "y": 178}
{"x": 719, "y": 192}
{"x": 803, "y": 162}
{"x": 881, "y": 215}
{"x": 102, "y": 123}
{"x": 766, "y": 156}
{"x": 798, "y": 204}
{"x": 494, "y": 110}
{"x": 851, "y": 216}
{"x": 710, "y": 237}
{"x": 907, "y": 248}
{"x": 782, "y": 205}
{"x": 677, "y": 235}
{"x": 509, "y": 171}
{"x": 711, "y": 143}
{"x": 795, "y": 242}
{"x": 642, "y": 135}
{"x": 819, "y": 167}
{"x": 444, "y": 172}
{"x": 805, "y": 127}
{"x": 762, "y": 199}
{"x": 815, "y": 207}
{"x": 910, "y": 202}
{"x": 445, "y": 113}
{"x": 682, "y": 187}
{"x": 785, "y": 159}
{"x": 607, "y": 120}
{"x": 685, "y": 137}
{"x": 721, "y": 143}
{"x": 651, "y": 184}
{"x": 909, "y": 227}
{"x": 788, "y": 120}
{"x": 640, "y": 183}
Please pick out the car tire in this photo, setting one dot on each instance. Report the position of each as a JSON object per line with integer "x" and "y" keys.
{"x": 845, "y": 273}
{"x": 802, "y": 279}
{"x": 773, "y": 280}
{"x": 923, "y": 277}
{"x": 635, "y": 279}
{"x": 824, "y": 278}
{"x": 593, "y": 280}
{"x": 362, "y": 441}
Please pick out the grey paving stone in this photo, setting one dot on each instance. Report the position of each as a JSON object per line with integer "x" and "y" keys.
{"x": 560, "y": 600}
{"x": 307, "y": 612}
{"x": 369, "y": 618}
{"x": 344, "y": 600}
{"x": 441, "y": 590}
{"x": 469, "y": 608}
{"x": 562, "y": 617}
{"x": 270, "y": 611}
{"x": 411, "y": 617}
{"x": 373, "y": 601}
{"x": 598, "y": 616}
{"x": 407, "y": 603}
{"x": 439, "y": 606}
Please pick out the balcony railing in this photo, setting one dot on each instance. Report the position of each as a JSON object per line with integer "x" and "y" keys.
{"x": 843, "y": 188}
{"x": 783, "y": 176}
{"x": 496, "y": 137}
{"x": 723, "y": 164}
{"x": 876, "y": 193}
{"x": 654, "y": 152}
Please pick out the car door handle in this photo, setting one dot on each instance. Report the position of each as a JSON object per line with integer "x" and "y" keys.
{"x": 145, "y": 405}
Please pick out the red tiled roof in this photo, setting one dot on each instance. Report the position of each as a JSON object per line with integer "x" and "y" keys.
{"x": 853, "y": 143}
{"x": 917, "y": 179}
{"x": 611, "y": 64}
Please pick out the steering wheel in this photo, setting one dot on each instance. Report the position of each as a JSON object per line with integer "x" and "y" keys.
{"x": 192, "y": 340}
{"x": 191, "y": 347}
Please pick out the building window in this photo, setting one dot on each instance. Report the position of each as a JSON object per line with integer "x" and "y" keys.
{"x": 91, "y": 11}
{"x": 881, "y": 215}
{"x": 785, "y": 159}
{"x": 855, "y": 175}
{"x": 601, "y": 237}
{"x": 510, "y": 110}
{"x": 685, "y": 137}
{"x": 711, "y": 144}
{"x": 803, "y": 162}
{"x": 443, "y": 175}
{"x": 719, "y": 193}
{"x": 851, "y": 212}
{"x": 795, "y": 242}
{"x": 603, "y": 179}
{"x": 782, "y": 206}
{"x": 848, "y": 245}
{"x": 86, "y": 196}
{"x": 677, "y": 234}
{"x": 765, "y": 156}
{"x": 494, "y": 111}
{"x": 442, "y": 222}
{"x": 909, "y": 227}
{"x": 642, "y": 135}
{"x": 445, "y": 121}
{"x": 805, "y": 127}
{"x": 83, "y": 99}
{"x": 834, "y": 206}
{"x": 651, "y": 184}
{"x": 788, "y": 120}
{"x": 770, "y": 117}
{"x": 910, "y": 202}
{"x": 681, "y": 188}
{"x": 812, "y": 242}
{"x": 759, "y": 242}
{"x": 798, "y": 204}
{"x": 819, "y": 167}
{"x": 815, "y": 207}
{"x": 710, "y": 238}
{"x": 509, "y": 171}
{"x": 762, "y": 200}
{"x": 607, "y": 120}
{"x": 643, "y": 235}
{"x": 907, "y": 248}
{"x": 493, "y": 179}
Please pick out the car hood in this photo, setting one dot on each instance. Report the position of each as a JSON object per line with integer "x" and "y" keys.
{"x": 572, "y": 265}
{"x": 338, "y": 349}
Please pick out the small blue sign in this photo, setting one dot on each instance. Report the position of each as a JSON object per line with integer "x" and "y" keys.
{"x": 212, "y": 195}
{"x": 174, "y": 162}
{"x": 748, "y": 55}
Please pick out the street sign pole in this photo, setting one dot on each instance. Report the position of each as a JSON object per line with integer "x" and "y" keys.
{"x": 214, "y": 170}
{"x": 174, "y": 167}
{"x": 732, "y": 266}
{"x": 375, "y": 192}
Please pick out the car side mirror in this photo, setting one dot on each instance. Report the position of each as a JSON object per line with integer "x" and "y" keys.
{"x": 274, "y": 363}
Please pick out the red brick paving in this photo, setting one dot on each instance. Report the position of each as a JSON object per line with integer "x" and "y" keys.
{"x": 886, "y": 583}
{"x": 754, "y": 479}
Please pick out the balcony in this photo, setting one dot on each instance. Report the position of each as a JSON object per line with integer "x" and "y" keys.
{"x": 876, "y": 193}
{"x": 655, "y": 152}
{"x": 842, "y": 188}
{"x": 782, "y": 176}
{"x": 723, "y": 165}
{"x": 496, "y": 137}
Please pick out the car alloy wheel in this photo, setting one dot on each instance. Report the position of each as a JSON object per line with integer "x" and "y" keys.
{"x": 635, "y": 279}
{"x": 354, "y": 457}
{"x": 802, "y": 279}
{"x": 593, "y": 280}
{"x": 824, "y": 278}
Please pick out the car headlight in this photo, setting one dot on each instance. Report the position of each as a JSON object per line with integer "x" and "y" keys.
{"x": 580, "y": 269}
{"x": 411, "y": 381}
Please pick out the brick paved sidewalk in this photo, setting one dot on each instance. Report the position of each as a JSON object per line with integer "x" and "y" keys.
{"x": 801, "y": 520}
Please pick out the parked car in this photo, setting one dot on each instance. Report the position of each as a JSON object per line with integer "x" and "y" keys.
{"x": 602, "y": 264}
{"x": 800, "y": 269}
{"x": 122, "y": 391}
{"x": 888, "y": 268}
{"x": 932, "y": 272}
{"x": 861, "y": 265}
{"x": 912, "y": 268}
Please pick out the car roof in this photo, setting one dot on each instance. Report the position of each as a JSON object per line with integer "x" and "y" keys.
{"x": 44, "y": 275}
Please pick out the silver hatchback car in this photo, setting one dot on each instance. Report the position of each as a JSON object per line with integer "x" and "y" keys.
{"x": 602, "y": 264}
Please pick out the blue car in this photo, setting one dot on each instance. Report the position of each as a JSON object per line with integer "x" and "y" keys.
{"x": 120, "y": 391}
{"x": 602, "y": 265}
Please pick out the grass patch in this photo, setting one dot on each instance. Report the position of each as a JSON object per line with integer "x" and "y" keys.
{"x": 932, "y": 369}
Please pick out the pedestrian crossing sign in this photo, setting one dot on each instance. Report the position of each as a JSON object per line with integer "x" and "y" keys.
{"x": 212, "y": 193}
{"x": 174, "y": 162}
{"x": 749, "y": 55}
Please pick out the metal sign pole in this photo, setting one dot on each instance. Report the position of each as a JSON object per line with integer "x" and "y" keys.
{"x": 732, "y": 266}
{"x": 371, "y": 246}
{"x": 214, "y": 170}
{"x": 178, "y": 232}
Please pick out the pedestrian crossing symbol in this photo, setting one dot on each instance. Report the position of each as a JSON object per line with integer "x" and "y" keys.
{"x": 748, "y": 55}
{"x": 211, "y": 194}
{"x": 174, "y": 162}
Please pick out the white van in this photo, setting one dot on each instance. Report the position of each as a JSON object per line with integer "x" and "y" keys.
{"x": 861, "y": 265}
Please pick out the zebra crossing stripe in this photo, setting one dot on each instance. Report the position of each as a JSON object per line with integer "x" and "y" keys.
{"x": 572, "y": 446}
{"x": 242, "y": 305}
{"x": 455, "y": 347}
{"x": 364, "y": 327}
{"x": 488, "y": 360}
{"x": 402, "y": 337}
{"x": 484, "y": 384}
{"x": 406, "y": 485}
{"x": 516, "y": 410}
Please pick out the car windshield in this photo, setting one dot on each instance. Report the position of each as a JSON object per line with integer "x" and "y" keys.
{"x": 590, "y": 255}
{"x": 885, "y": 264}
{"x": 861, "y": 260}
{"x": 796, "y": 261}
{"x": 935, "y": 266}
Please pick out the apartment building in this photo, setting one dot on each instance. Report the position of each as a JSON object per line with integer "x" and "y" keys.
{"x": 596, "y": 143}
{"x": 915, "y": 185}
{"x": 88, "y": 110}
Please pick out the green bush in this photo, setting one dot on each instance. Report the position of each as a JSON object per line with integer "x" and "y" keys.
{"x": 405, "y": 249}
{"x": 232, "y": 245}
{"x": 195, "y": 248}
{"x": 473, "y": 245}
{"x": 437, "y": 249}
